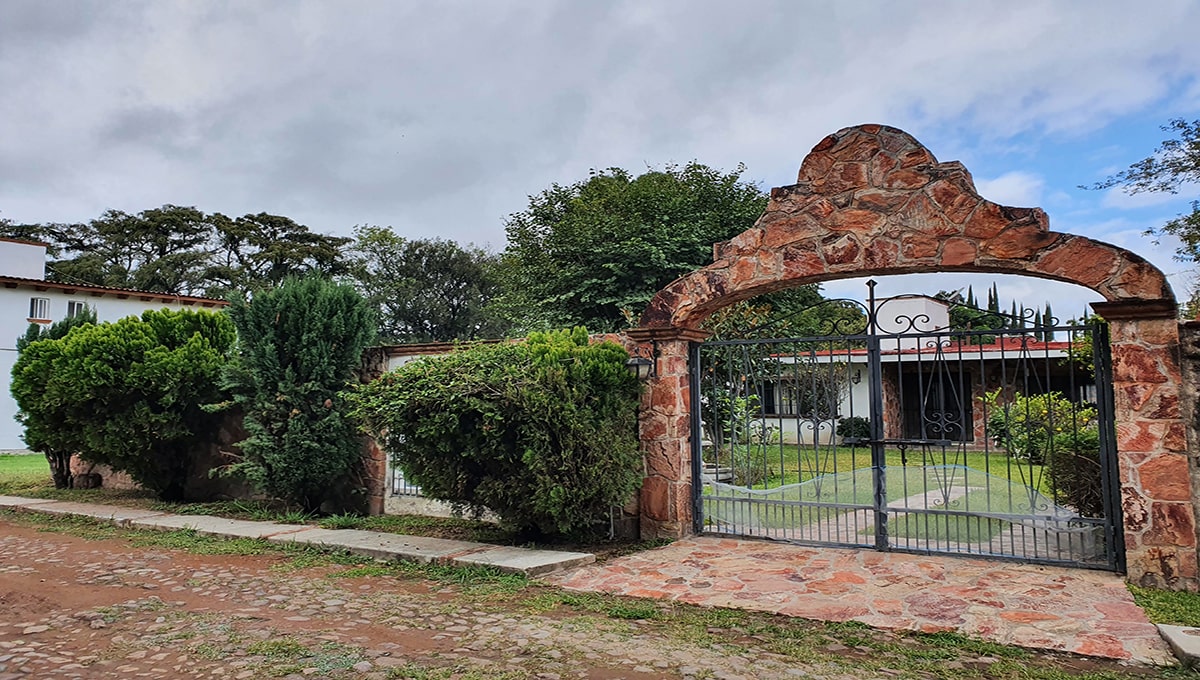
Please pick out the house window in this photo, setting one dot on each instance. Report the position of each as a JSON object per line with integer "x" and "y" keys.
{"x": 39, "y": 309}
{"x": 75, "y": 308}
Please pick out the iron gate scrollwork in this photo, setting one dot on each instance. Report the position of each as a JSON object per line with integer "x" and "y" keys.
{"x": 898, "y": 432}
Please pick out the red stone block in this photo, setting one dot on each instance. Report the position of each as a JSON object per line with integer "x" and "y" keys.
{"x": 1165, "y": 477}
{"x": 985, "y": 222}
{"x": 1079, "y": 260}
{"x": 1140, "y": 280}
{"x": 919, "y": 246}
{"x": 1138, "y": 364}
{"x": 955, "y": 201}
{"x": 880, "y": 166}
{"x": 880, "y": 200}
{"x": 920, "y": 215}
{"x": 795, "y": 227}
{"x": 904, "y": 179}
{"x": 915, "y": 157}
{"x": 958, "y": 252}
{"x": 663, "y": 460}
{"x": 863, "y": 222}
{"x": 1133, "y": 509}
{"x": 1019, "y": 243}
{"x": 801, "y": 261}
{"x": 855, "y": 146}
{"x": 881, "y": 253}
{"x": 656, "y": 499}
{"x": 815, "y": 166}
{"x": 1171, "y": 524}
{"x": 841, "y": 251}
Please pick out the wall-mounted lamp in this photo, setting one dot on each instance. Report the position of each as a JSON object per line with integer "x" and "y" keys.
{"x": 857, "y": 377}
{"x": 644, "y": 367}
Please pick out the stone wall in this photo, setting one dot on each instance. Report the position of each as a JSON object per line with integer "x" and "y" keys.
{"x": 871, "y": 201}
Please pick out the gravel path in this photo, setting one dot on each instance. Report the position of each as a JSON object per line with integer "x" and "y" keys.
{"x": 71, "y": 608}
{"x": 76, "y": 608}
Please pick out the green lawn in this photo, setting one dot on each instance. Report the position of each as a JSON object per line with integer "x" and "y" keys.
{"x": 23, "y": 472}
{"x": 777, "y": 465}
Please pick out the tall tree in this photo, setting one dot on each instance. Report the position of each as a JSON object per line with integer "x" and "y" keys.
{"x": 1174, "y": 163}
{"x": 161, "y": 249}
{"x": 184, "y": 251}
{"x": 595, "y": 252}
{"x": 260, "y": 251}
{"x": 426, "y": 290}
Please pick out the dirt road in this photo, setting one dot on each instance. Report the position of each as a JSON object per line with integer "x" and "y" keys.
{"x": 76, "y": 608}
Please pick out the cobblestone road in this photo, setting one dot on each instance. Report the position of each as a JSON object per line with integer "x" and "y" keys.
{"x": 75, "y": 608}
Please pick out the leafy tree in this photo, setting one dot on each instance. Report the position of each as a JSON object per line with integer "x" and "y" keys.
{"x": 1174, "y": 163}
{"x": 40, "y": 434}
{"x": 541, "y": 432}
{"x": 58, "y": 329}
{"x": 184, "y": 251}
{"x": 161, "y": 249}
{"x": 298, "y": 347}
{"x": 129, "y": 394}
{"x": 586, "y": 252}
{"x": 426, "y": 289}
{"x": 258, "y": 251}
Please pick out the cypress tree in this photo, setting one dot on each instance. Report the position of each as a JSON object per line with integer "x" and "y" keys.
{"x": 298, "y": 347}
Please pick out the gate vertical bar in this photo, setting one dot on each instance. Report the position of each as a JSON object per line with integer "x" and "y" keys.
{"x": 1110, "y": 480}
{"x": 878, "y": 448}
{"x": 697, "y": 436}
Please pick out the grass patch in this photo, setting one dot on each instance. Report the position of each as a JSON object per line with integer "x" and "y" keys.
{"x": 1167, "y": 606}
{"x": 279, "y": 647}
{"x": 942, "y": 528}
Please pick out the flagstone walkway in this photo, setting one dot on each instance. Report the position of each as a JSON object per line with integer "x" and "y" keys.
{"x": 1073, "y": 610}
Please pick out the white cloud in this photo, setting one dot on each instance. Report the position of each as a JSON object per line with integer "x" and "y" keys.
{"x": 1116, "y": 198}
{"x": 439, "y": 118}
{"x": 1017, "y": 188}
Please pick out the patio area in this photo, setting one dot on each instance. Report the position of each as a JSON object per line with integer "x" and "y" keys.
{"x": 1042, "y": 607}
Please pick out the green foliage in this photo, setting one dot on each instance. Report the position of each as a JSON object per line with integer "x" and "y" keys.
{"x": 59, "y": 459}
{"x": 182, "y": 250}
{"x": 58, "y": 329}
{"x": 127, "y": 394}
{"x": 542, "y": 432}
{"x": 1175, "y": 163}
{"x": 1048, "y": 429}
{"x": 298, "y": 348}
{"x": 586, "y": 252}
{"x": 1171, "y": 607}
{"x": 426, "y": 290}
{"x": 856, "y": 427}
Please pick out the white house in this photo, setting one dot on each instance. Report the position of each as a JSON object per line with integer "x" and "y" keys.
{"x": 27, "y": 297}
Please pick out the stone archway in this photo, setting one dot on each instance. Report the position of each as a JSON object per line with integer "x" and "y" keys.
{"x": 871, "y": 200}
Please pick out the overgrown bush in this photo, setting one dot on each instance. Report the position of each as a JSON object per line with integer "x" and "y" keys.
{"x": 127, "y": 394}
{"x": 1050, "y": 430}
{"x": 855, "y": 427}
{"x": 541, "y": 432}
{"x": 298, "y": 347}
{"x": 39, "y": 435}
{"x": 1074, "y": 470}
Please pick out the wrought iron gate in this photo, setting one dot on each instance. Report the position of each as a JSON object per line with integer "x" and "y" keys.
{"x": 895, "y": 432}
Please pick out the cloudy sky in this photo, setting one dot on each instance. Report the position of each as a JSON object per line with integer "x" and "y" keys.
{"x": 439, "y": 119}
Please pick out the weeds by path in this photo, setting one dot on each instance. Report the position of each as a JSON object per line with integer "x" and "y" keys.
{"x": 852, "y": 647}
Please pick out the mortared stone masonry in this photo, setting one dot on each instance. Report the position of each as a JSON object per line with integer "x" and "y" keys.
{"x": 871, "y": 200}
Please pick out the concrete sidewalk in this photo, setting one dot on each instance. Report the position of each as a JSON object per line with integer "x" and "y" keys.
{"x": 374, "y": 544}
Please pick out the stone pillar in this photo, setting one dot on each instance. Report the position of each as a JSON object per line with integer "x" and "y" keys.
{"x": 1189, "y": 401}
{"x": 664, "y": 428}
{"x": 1156, "y": 489}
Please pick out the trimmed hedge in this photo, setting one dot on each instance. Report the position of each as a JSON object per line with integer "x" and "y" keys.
{"x": 541, "y": 432}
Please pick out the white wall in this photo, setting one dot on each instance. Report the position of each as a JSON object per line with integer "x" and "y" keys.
{"x": 14, "y": 320}
{"x": 23, "y": 260}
